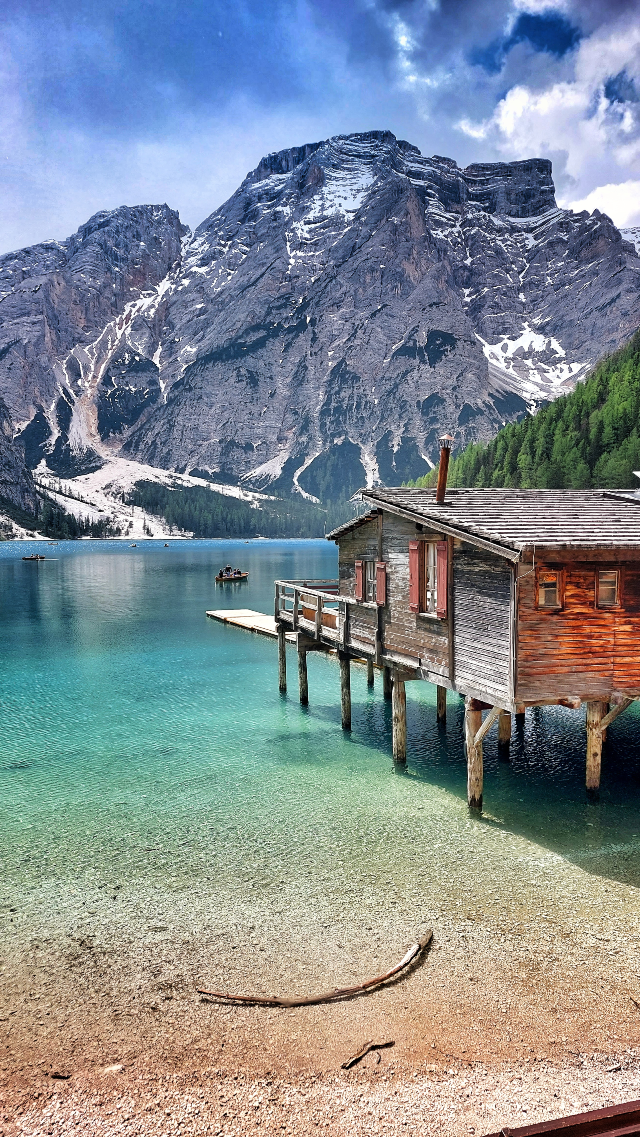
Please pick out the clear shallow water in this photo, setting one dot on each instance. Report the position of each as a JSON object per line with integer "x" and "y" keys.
{"x": 144, "y": 744}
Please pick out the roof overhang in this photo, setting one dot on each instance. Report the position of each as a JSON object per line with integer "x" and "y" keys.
{"x": 435, "y": 518}
{"x": 353, "y": 524}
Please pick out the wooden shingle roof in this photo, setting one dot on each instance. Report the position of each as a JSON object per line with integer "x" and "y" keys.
{"x": 510, "y": 520}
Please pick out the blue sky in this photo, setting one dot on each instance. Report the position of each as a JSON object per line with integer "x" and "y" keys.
{"x": 129, "y": 101}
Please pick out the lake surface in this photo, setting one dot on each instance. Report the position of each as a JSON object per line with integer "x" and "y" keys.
{"x": 147, "y": 748}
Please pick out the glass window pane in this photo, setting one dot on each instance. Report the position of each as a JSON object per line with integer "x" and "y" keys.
{"x": 548, "y": 591}
{"x": 370, "y": 581}
{"x": 607, "y": 588}
{"x": 430, "y": 577}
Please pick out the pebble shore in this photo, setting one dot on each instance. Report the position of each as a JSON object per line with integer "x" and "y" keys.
{"x": 386, "y": 1100}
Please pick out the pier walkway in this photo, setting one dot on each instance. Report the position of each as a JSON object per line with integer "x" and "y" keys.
{"x": 249, "y": 620}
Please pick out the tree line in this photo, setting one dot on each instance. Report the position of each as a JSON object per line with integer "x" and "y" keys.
{"x": 206, "y": 513}
{"x": 586, "y": 439}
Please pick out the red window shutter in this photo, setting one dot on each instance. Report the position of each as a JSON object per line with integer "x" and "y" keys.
{"x": 414, "y": 576}
{"x": 442, "y": 579}
{"x": 381, "y": 583}
{"x": 359, "y": 580}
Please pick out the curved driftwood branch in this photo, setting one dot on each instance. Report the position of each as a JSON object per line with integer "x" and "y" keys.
{"x": 328, "y": 996}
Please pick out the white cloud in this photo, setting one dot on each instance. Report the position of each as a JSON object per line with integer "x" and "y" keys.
{"x": 594, "y": 141}
{"x": 620, "y": 201}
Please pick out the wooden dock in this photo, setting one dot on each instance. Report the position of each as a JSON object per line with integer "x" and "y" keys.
{"x": 249, "y": 620}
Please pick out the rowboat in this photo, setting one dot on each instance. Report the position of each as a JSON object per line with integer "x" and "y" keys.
{"x": 231, "y": 575}
{"x": 34, "y": 557}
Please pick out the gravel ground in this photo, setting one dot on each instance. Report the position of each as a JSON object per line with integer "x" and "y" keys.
{"x": 501, "y": 1022}
{"x": 523, "y": 1008}
{"x": 373, "y": 1099}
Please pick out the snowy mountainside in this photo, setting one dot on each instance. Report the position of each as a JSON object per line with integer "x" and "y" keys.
{"x": 104, "y": 493}
{"x": 632, "y": 235}
{"x": 350, "y": 302}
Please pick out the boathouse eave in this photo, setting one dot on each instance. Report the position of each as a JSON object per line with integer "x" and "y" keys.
{"x": 355, "y": 523}
{"x": 436, "y": 519}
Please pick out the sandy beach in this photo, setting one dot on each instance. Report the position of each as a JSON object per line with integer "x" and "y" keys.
{"x": 500, "y": 1022}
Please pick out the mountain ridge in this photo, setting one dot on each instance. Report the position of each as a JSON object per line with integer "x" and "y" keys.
{"x": 347, "y": 304}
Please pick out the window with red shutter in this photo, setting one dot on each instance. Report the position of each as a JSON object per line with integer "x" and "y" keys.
{"x": 359, "y": 580}
{"x": 414, "y": 576}
{"x": 442, "y": 579}
{"x": 381, "y": 583}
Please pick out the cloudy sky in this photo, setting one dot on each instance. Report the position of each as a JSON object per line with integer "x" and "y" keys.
{"x": 105, "y": 102}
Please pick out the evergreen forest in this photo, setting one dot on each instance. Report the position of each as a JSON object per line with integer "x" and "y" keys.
{"x": 584, "y": 440}
{"x": 51, "y": 520}
{"x": 209, "y": 514}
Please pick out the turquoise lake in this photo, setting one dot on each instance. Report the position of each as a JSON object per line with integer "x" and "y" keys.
{"x": 145, "y": 744}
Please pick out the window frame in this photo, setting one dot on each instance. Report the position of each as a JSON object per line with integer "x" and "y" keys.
{"x": 431, "y": 569}
{"x": 617, "y": 602}
{"x": 559, "y": 575}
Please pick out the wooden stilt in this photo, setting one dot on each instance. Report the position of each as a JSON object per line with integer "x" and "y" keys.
{"x": 369, "y": 673}
{"x": 441, "y": 697}
{"x": 282, "y": 659}
{"x": 399, "y": 720}
{"x": 504, "y": 728}
{"x": 387, "y": 682}
{"x": 472, "y": 724}
{"x": 345, "y": 691}
{"x": 596, "y": 711}
{"x": 302, "y": 677}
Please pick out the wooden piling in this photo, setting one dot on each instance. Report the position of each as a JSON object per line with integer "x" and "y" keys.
{"x": 472, "y": 724}
{"x": 282, "y": 659}
{"x": 387, "y": 682}
{"x": 399, "y": 720}
{"x": 302, "y": 677}
{"x": 441, "y": 699}
{"x": 369, "y": 673}
{"x": 504, "y": 728}
{"x": 596, "y": 711}
{"x": 345, "y": 691}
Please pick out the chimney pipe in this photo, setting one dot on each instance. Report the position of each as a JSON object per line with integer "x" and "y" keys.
{"x": 445, "y": 452}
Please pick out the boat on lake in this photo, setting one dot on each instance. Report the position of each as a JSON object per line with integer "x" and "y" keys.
{"x": 35, "y": 557}
{"x": 231, "y": 574}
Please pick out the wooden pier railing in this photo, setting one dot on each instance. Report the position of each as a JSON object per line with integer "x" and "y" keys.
{"x": 316, "y": 608}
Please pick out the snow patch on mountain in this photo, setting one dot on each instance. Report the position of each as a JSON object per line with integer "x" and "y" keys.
{"x": 632, "y": 235}
{"x": 536, "y": 364}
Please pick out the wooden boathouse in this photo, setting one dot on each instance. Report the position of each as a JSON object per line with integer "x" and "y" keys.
{"x": 512, "y": 598}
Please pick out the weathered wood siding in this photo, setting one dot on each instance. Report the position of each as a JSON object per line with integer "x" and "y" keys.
{"x": 406, "y": 632}
{"x": 363, "y": 625}
{"x": 361, "y": 543}
{"x": 482, "y": 590}
{"x": 579, "y": 649}
{"x": 626, "y": 664}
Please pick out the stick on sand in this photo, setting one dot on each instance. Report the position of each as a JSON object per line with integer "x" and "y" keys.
{"x": 328, "y": 996}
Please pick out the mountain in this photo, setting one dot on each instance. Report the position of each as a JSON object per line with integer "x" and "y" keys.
{"x": 350, "y": 302}
{"x": 586, "y": 439}
{"x": 16, "y": 483}
{"x": 63, "y": 308}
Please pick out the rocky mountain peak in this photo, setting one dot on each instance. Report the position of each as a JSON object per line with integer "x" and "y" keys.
{"x": 321, "y": 328}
